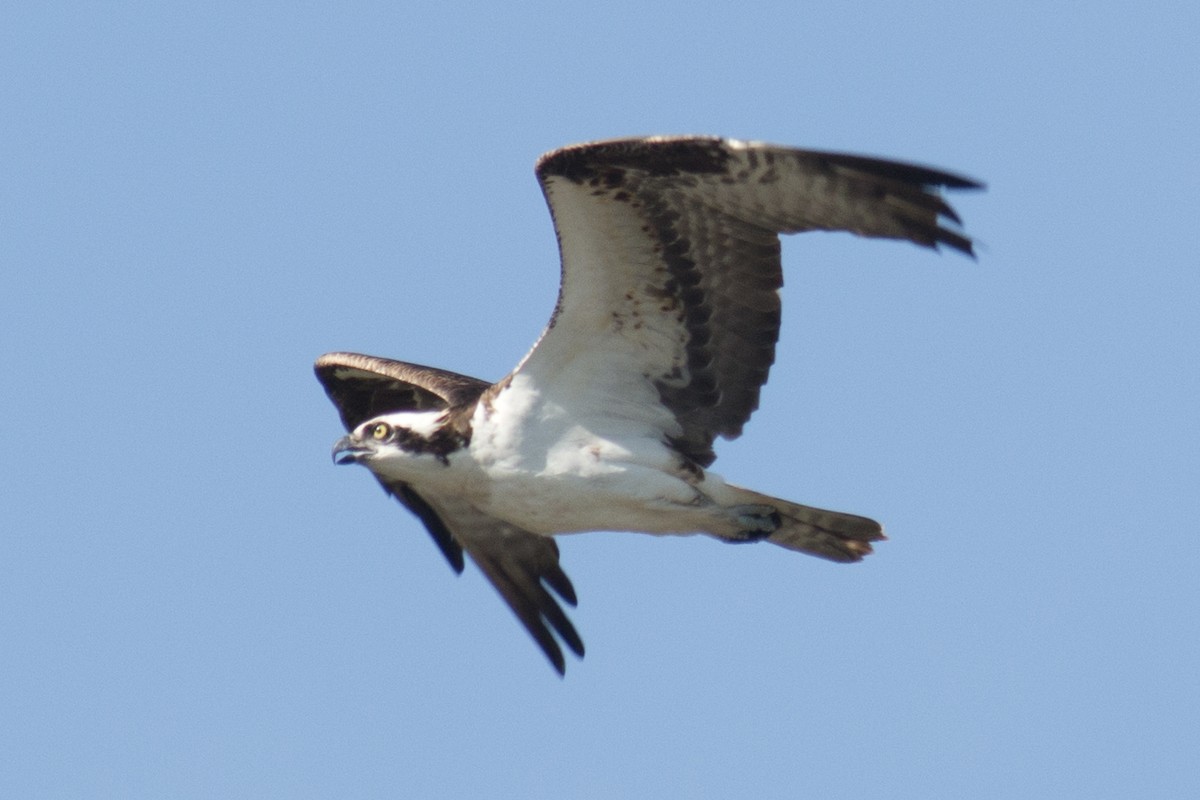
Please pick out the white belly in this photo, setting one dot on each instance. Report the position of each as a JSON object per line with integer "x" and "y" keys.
{"x": 603, "y": 465}
{"x": 566, "y": 479}
{"x": 629, "y": 499}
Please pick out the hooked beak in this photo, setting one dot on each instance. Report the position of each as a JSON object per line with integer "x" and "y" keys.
{"x": 348, "y": 450}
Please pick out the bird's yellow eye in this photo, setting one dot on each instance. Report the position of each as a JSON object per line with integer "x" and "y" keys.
{"x": 381, "y": 431}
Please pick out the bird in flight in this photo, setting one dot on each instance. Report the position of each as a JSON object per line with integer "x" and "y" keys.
{"x": 663, "y": 334}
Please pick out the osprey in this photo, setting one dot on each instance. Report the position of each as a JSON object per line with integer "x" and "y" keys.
{"x": 663, "y": 334}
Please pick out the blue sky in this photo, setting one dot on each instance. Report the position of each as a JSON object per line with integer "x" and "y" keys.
{"x": 197, "y": 202}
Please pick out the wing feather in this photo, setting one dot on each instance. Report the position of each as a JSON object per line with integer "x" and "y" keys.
{"x": 522, "y": 566}
{"x": 429, "y": 517}
{"x": 671, "y": 266}
{"x": 363, "y": 387}
{"x": 518, "y": 563}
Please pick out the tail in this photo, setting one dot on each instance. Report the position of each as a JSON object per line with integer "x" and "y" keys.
{"x": 825, "y": 534}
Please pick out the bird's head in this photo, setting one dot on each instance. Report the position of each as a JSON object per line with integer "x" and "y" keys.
{"x": 400, "y": 443}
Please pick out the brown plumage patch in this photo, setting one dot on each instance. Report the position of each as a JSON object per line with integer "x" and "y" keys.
{"x": 607, "y": 160}
{"x": 364, "y": 387}
{"x": 454, "y": 434}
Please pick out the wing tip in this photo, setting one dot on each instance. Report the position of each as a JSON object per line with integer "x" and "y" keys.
{"x": 955, "y": 241}
{"x": 915, "y": 192}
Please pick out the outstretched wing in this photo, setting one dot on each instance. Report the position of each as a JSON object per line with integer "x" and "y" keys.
{"x": 671, "y": 268}
{"x": 523, "y": 566}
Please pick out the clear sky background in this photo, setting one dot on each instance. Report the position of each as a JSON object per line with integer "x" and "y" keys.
{"x": 194, "y": 603}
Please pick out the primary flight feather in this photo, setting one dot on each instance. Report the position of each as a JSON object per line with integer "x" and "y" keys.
{"x": 664, "y": 332}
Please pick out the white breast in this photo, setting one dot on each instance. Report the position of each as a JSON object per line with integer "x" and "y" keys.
{"x": 553, "y": 472}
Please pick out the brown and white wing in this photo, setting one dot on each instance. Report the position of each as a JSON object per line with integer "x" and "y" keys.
{"x": 363, "y": 387}
{"x": 671, "y": 268}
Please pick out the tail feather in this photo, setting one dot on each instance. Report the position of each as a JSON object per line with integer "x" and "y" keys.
{"x": 816, "y": 531}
